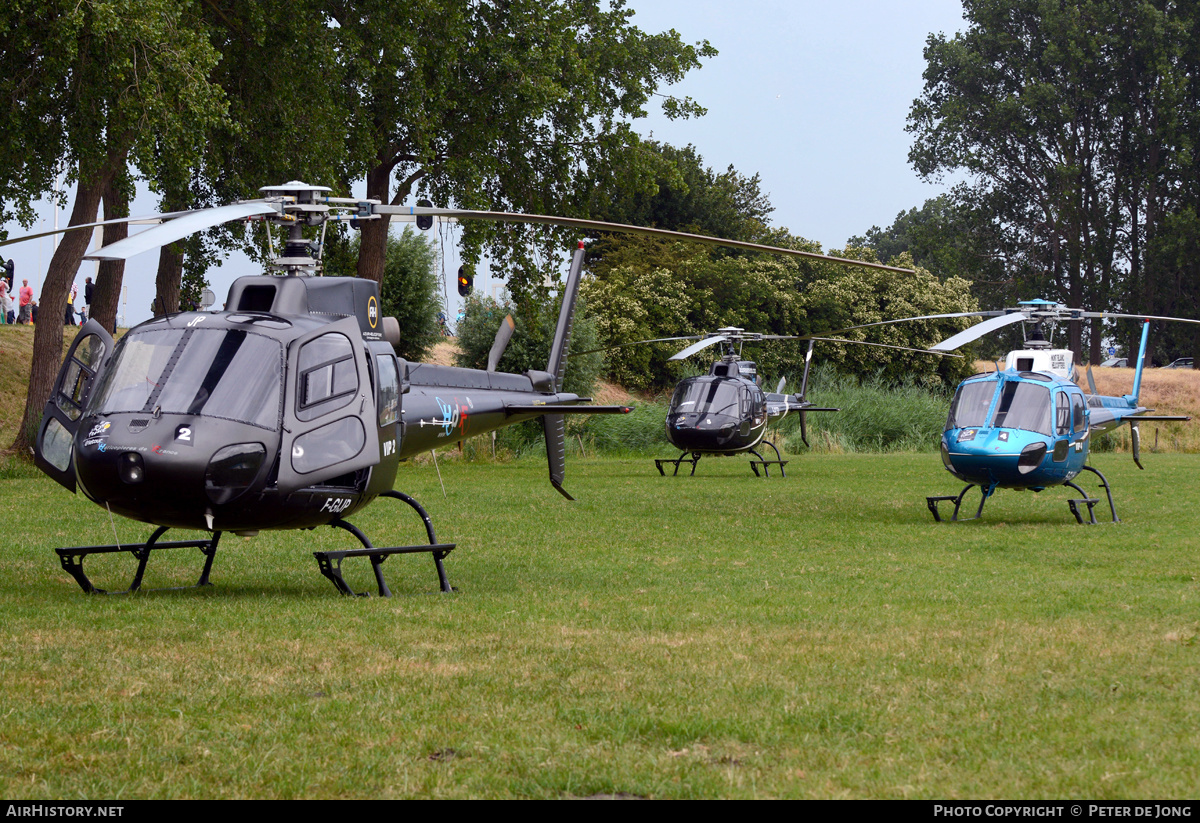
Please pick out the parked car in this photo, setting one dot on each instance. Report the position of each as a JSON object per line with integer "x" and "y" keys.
{"x": 1115, "y": 363}
{"x": 1181, "y": 363}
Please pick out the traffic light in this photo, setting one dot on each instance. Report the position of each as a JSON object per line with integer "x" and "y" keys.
{"x": 466, "y": 281}
{"x": 424, "y": 221}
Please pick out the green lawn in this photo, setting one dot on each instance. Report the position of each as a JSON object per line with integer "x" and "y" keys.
{"x": 715, "y": 636}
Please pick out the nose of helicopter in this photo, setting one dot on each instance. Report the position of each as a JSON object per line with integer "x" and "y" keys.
{"x": 993, "y": 455}
{"x": 691, "y": 431}
{"x": 163, "y": 470}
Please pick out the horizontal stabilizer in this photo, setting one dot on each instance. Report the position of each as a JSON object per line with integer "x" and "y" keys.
{"x": 548, "y": 408}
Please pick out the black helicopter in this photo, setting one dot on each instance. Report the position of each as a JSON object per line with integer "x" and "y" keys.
{"x": 289, "y": 408}
{"x": 1029, "y": 425}
{"x": 726, "y": 412}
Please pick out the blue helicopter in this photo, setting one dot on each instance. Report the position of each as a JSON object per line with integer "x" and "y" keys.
{"x": 1029, "y": 425}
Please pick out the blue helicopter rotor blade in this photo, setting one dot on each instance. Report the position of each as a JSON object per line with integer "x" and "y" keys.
{"x": 977, "y": 331}
{"x": 698, "y": 346}
{"x": 179, "y": 228}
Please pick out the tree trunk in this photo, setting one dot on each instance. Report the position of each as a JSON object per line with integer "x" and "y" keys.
{"x": 167, "y": 281}
{"x": 111, "y": 274}
{"x": 52, "y": 304}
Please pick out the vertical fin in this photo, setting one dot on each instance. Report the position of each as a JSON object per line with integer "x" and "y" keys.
{"x": 557, "y": 365}
{"x": 1141, "y": 363}
{"x": 804, "y": 391}
{"x": 553, "y": 425}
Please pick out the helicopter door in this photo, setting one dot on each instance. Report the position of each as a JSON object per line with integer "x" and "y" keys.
{"x": 330, "y": 426}
{"x": 76, "y": 380}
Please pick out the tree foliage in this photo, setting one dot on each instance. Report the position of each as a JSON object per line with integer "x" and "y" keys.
{"x": 96, "y": 85}
{"x": 648, "y": 288}
{"x": 520, "y": 105}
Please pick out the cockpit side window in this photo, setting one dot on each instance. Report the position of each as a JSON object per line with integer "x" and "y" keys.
{"x": 1079, "y": 413}
{"x": 1062, "y": 413}
{"x": 328, "y": 377}
{"x": 389, "y": 390}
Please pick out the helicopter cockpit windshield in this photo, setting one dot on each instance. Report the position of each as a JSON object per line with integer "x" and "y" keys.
{"x": 707, "y": 397}
{"x": 1021, "y": 405}
{"x": 230, "y": 374}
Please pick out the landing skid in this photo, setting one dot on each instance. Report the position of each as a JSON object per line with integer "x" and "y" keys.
{"x": 766, "y": 464}
{"x": 330, "y": 563}
{"x": 683, "y": 458}
{"x": 1090, "y": 502}
{"x": 694, "y": 458}
{"x": 72, "y": 560}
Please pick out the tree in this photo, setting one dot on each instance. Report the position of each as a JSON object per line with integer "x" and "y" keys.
{"x": 520, "y": 105}
{"x": 1070, "y": 119}
{"x": 688, "y": 196}
{"x": 101, "y": 82}
{"x": 653, "y": 288}
{"x": 945, "y": 236}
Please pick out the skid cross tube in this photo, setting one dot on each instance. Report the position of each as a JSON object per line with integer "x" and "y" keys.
{"x": 1092, "y": 501}
{"x": 330, "y": 563}
{"x": 72, "y": 560}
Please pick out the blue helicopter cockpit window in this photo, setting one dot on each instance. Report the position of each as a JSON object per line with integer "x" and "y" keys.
{"x": 230, "y": 374}
{"x": 1024, "y": 406}
{"x": 970, "y": 405}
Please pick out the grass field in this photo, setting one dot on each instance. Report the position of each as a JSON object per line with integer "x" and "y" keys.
{"x": 715, "y": 636}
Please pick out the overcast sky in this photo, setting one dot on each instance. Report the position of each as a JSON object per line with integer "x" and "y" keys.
{"x": 810, "y": 95}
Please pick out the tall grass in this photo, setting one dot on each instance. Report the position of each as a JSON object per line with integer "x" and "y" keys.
{"x": 874, "y": 415}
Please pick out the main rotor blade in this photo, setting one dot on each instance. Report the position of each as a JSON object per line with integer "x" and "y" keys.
{"x": 133, "y": 221}
{"x": 179, "y": 228}
{"x": 698, "y": 346}
{"x": 600, "y": 225}
{"x": 914, "y": 319}
{"x": 979, "y": 330}
{"x": 885, "y": 346}
{"x": 640, "y": 342}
